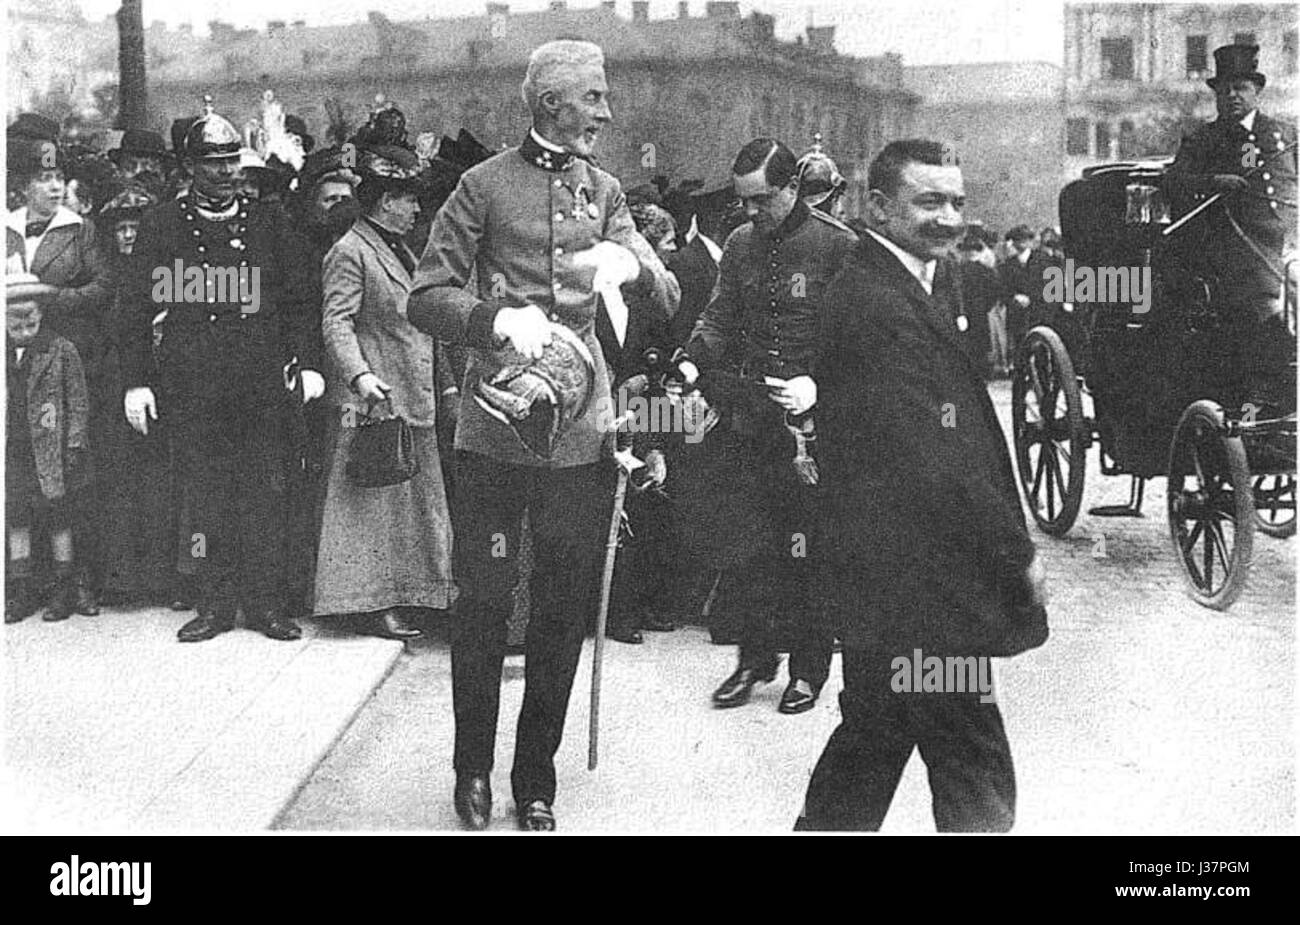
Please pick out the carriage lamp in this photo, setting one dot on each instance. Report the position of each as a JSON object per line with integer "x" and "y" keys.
{"x": 1145, "y": 205}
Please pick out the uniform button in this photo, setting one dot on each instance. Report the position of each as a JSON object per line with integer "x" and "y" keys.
{"x": 1266, "y": 176}
{"x": 558, "y": 182}
{"x": 559, "y": 252}
{"x": 557, "y": 286}
{"x": 554, "y": 316}
{"x": 212, "y": 317}
{"x": 1252, "y": 136}
{"x": 559, "y": 216}
{"x": 1270, "y": 191}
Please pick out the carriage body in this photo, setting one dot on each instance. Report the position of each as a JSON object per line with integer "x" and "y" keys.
{"x": 1156, "y": 384}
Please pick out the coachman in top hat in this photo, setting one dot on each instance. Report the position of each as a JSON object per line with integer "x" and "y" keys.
{"x": 1251, "y": 160}
{"x": 238, "y": 359}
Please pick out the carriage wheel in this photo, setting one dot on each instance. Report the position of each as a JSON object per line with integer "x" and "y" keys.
{"x": 1211, "y": 506}
{"x": 1049, "y": 430}
{"x": 1275, "y": 505}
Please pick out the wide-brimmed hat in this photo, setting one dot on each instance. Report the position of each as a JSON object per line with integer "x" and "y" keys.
{"x": 132, "y": 201}
{"x": 27, "y": 287}
{"x": 333, "y": 164}
{"x": 139, "y": 142}
{"x": 1236, "y": 62}
{"x": 391, "y": 167}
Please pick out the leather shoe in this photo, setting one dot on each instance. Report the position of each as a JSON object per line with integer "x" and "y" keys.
{"x": 392, "y": 625}
{"x": 20, "y": 602}
{"x": 207, "y": 624}
{"x": 623, "y": 633}
{"x": 735, "y": 691}
{"x": 85, "y": 602}
{"x": 799, "y": 697}
{"x": 473, "y": 799}
{"x": 274, "y": 625}
{"x": 536, "y": 816}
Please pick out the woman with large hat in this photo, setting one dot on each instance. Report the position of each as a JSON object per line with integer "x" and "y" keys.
{"x": 383, "y": 551}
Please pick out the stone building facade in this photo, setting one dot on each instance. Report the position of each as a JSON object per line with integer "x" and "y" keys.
{"x": 1004, "y": 121}
{"x": 1135, "y": 72}
{"x": 687, "y": 92}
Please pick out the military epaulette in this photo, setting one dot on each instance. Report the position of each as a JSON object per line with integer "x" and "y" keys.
{"x": 832, "y": 221}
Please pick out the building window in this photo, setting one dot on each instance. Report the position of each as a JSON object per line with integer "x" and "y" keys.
{"x": 769, "y": 114}
{"x": 1103, "y": 140}
{"x": 1076, "y": 136}
{"x": 1117, "y": 59}
{"x": 1197, "y": 56}
{"x": 1290, "y": 45}
{"x": 1128, "y": 147}
{"x": 1244, "y": 38}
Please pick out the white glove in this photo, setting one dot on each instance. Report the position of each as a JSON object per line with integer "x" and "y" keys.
{"x": 658, "y": 467}
{"x": 313, "y": 384}
{"x": 526, "y": 329}
{"x": 795, "y": 395}
{"x": 141, "y": 408}
{"x": 613, "y": 263}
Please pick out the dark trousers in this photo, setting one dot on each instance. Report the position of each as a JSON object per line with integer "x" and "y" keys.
{"x": 565, "y": 508}
{"x": 233, "y": 459}
{"x": 773, "y": 593}
{"x": 963, "y": 744}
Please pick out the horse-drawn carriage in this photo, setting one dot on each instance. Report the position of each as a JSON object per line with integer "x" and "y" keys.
{"x": 1165, "y": 381}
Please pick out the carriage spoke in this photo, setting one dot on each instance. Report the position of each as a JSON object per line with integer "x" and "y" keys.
{"x": 1209, "y": 559}
{"x": 1038, "y": 476}
{"x": 1051, "y": 481}
{"x": 1220, "y": 545}
{"x": 1190, "y": 538}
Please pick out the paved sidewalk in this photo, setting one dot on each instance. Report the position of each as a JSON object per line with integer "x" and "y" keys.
{"x": 112, "y": 726}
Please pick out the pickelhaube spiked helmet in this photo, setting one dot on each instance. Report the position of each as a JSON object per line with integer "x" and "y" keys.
{"x": 211, "y": 136}
{"x": 819, "y": 178}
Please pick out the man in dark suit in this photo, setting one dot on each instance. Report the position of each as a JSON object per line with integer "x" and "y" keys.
{"x": 924, "y": 544}
{"x": 1251, "y": 160}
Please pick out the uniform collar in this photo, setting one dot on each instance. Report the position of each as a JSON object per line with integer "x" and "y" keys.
{"x": 792, "y": 222}
{"x": 541, "y": 153}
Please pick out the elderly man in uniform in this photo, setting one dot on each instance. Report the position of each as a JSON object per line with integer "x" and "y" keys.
{"x": 1251, "y": 160}
{"x": 766, "y": 307}
{"x": 239, "y": 357}
{"x": 541, "y": 229}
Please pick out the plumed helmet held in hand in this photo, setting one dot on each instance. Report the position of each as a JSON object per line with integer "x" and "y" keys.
{"x": 539, "y": 399}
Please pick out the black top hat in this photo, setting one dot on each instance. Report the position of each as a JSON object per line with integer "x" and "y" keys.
{"x": 138, "y": 141}
{"x": 1236, "y": 62}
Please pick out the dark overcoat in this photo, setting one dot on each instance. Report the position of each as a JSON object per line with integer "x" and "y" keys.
{"x": 923, "y": 536}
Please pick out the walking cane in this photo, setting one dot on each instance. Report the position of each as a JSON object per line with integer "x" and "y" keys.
{"x": 626, "y": 463}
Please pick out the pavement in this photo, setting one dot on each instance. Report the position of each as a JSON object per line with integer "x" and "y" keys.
{"x": 111, "y": 726}
{"x": 1144, "y": 713}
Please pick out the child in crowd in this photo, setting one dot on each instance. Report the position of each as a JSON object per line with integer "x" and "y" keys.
{"x": 45, "y": 447}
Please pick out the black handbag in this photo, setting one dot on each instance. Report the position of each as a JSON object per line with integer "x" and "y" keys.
{"x": 382, "y": 452}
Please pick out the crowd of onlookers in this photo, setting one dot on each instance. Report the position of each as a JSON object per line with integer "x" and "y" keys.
{"x": 96, "y": 512}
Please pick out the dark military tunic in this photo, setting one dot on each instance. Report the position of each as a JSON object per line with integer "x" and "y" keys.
{"x": 225, "y": 380}
{"x": 763, "y": 320}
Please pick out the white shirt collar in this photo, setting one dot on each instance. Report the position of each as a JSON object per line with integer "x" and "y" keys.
{"x": 1248, "y": 123}
{"x": 548, "y": 145}
{"x": 17, "y": 219}
{"x": 923, "y": 270}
